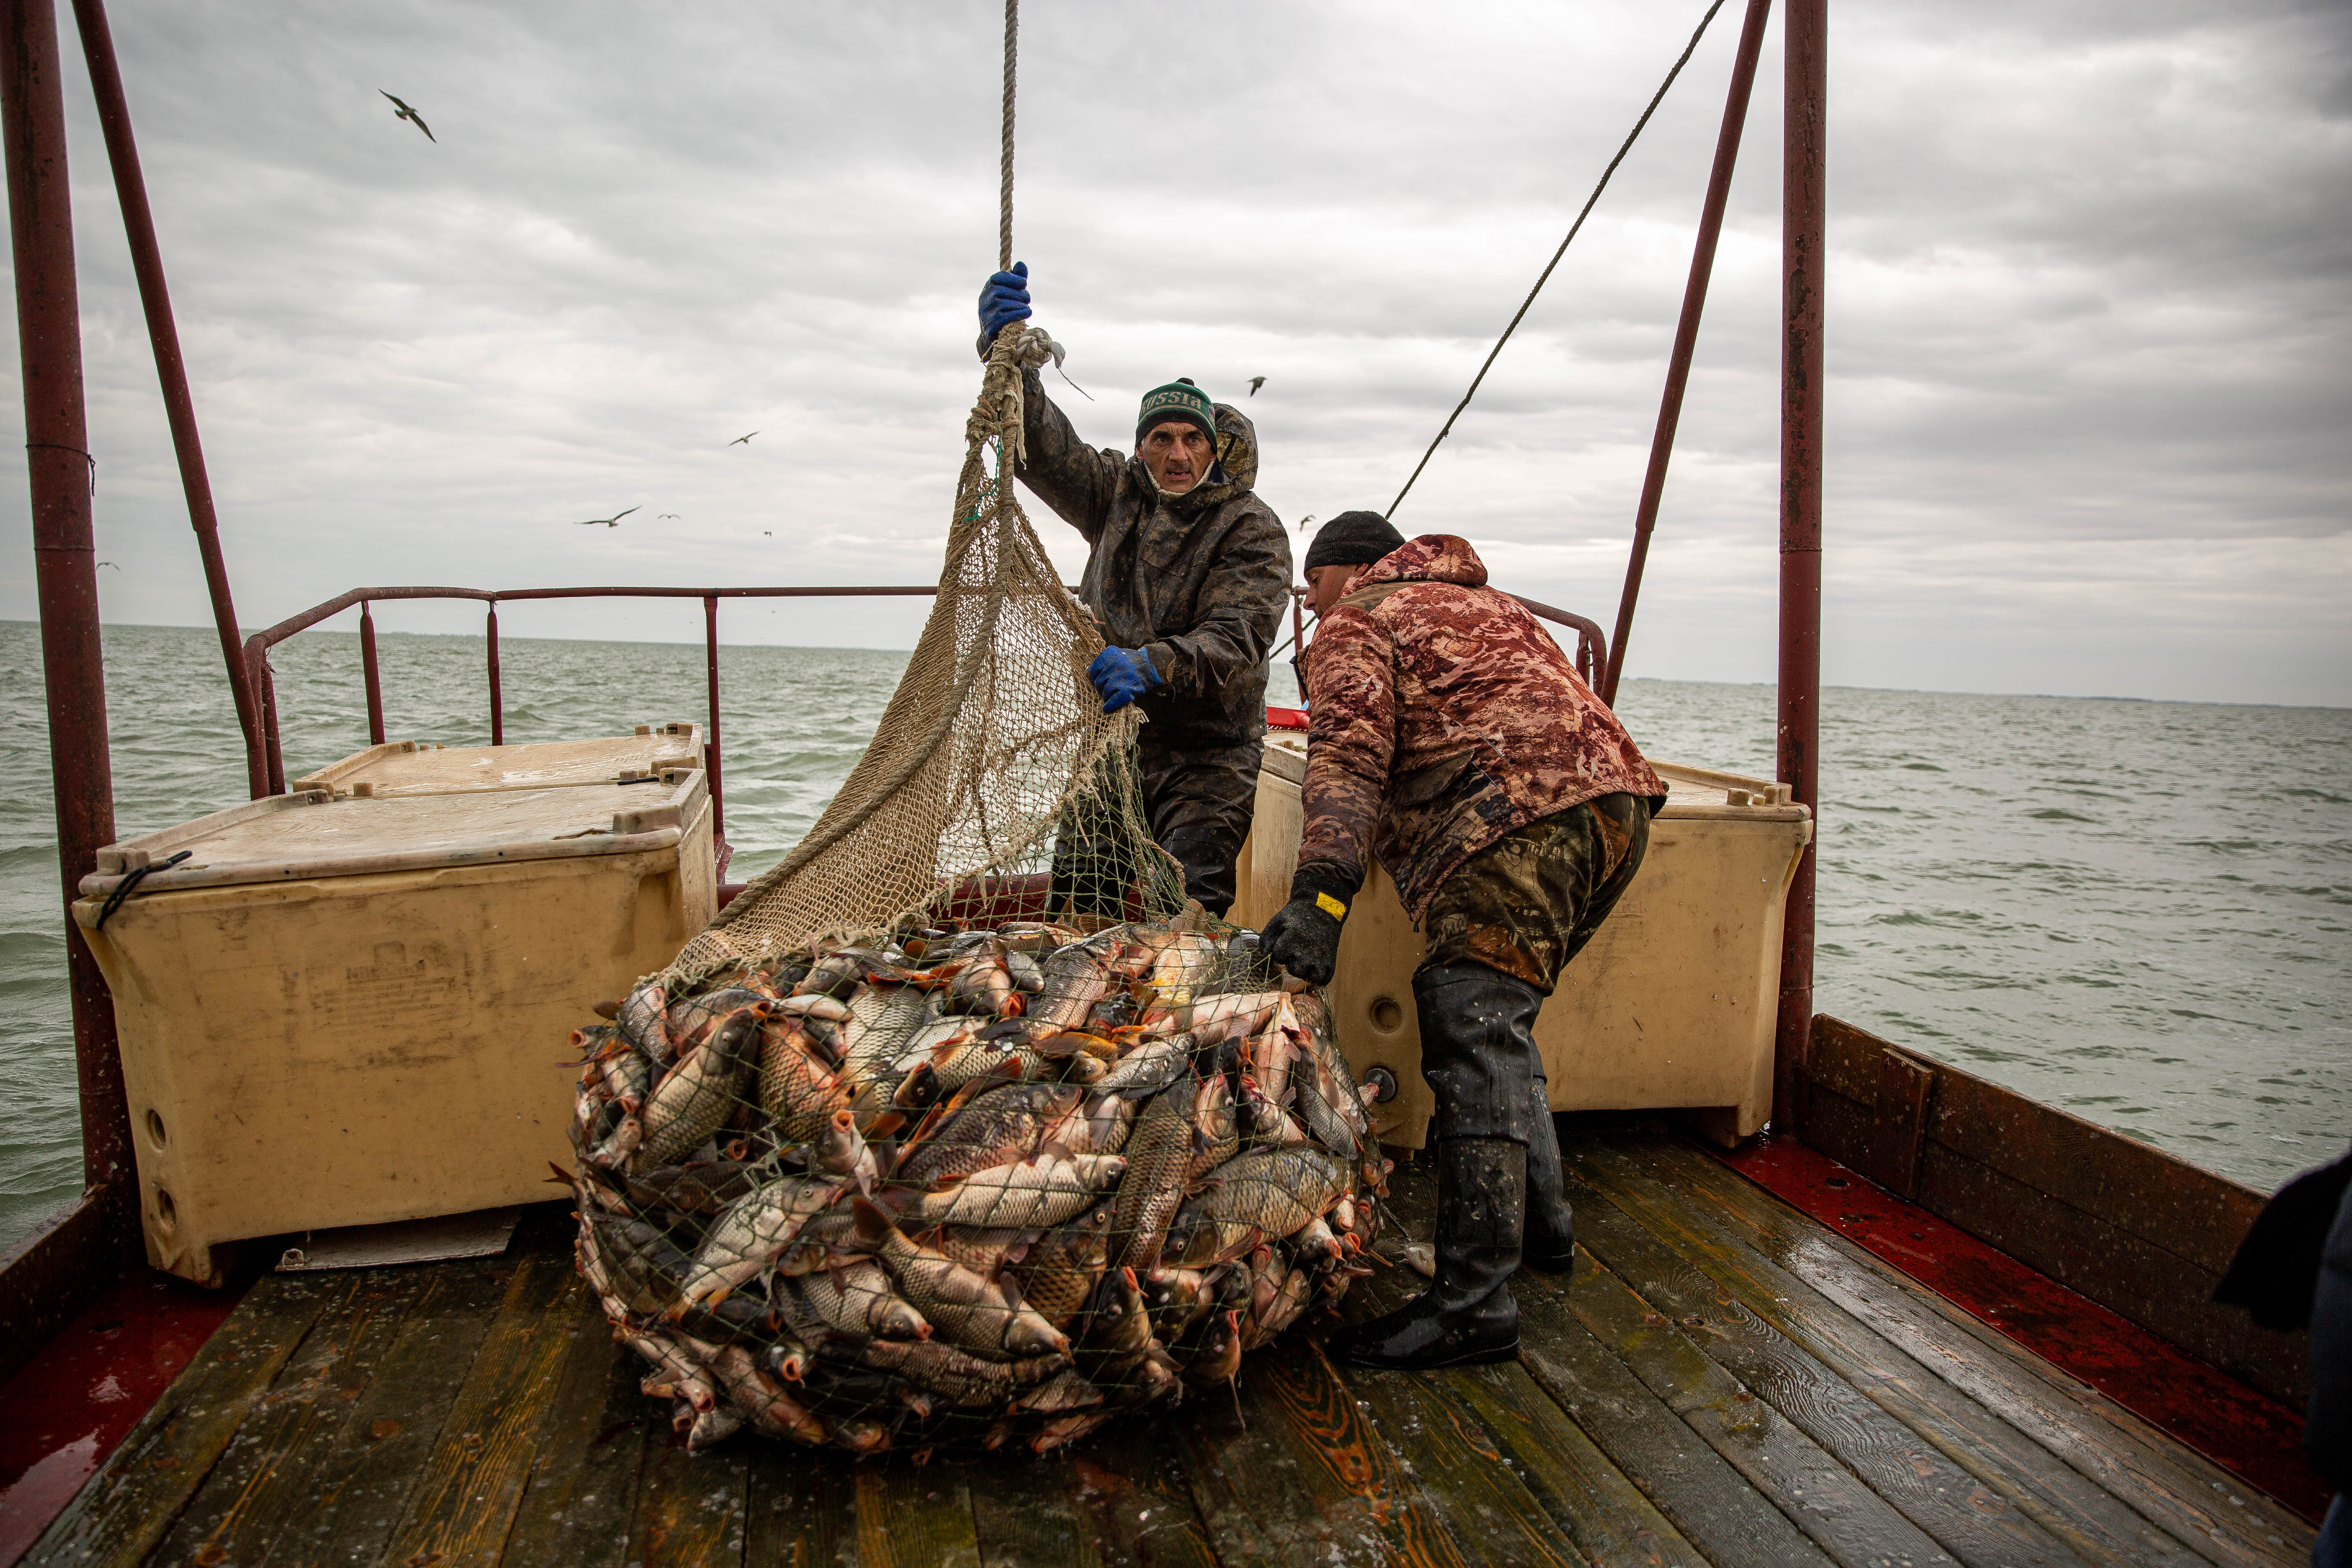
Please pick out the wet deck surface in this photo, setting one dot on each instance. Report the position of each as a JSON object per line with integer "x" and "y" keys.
{"x": 1725, "y": 1381}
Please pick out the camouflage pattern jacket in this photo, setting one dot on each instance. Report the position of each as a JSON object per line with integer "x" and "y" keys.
{"x": 1198, "y": 581}
{"x": 1441, "y": 717}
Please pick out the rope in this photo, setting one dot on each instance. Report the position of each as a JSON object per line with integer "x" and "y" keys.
{"x": 1631, "y": 136}
{"x": 1005, "y": 167}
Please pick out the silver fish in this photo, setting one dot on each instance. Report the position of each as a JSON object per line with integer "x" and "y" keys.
{"x": 1075, "y": 978}
{"x": 959, "y": 1377}
{"x": 750, "y": 1236}
{"x": 1043, "y": 1190}
{"x": 695, "y": 1098}
{"x": 995, "y": 1127}
{"x": 1159, "y": 1152}
{"x": 856, "y": 1299}
{"x": 797, "y": 1089}
{"x": 644, "y": 1023}
{"x": 760, "y": 1398}
{"x": 983, "y": 1315}
{"x": 1182, "y": 968}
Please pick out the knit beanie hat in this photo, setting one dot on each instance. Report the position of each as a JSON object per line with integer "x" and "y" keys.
{"x": 1352, "y": 539}
{"x": 1180, "y": 399}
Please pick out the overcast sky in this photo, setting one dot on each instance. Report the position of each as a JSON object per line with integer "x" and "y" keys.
{"x": 2090, "y": 395}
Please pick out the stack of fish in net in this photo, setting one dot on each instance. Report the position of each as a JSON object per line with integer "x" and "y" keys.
{"x": 967, "y": 1187}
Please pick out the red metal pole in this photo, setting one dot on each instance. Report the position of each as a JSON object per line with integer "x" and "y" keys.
{"x": 1678, "y": 364}
{"x": 170, "y": 370}
{"x": 498, "y": 699}
{"x": 49, "y": 337}
{"x": 374, "y": 676}
{"x": 1805, "y": 200}
{"x": 710, "y": 744}
{"x": 257, "y": 671}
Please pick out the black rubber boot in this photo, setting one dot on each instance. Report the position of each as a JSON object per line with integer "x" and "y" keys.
{"x": 1466, "y": 1314}
{"x": 1548, "y": 1245}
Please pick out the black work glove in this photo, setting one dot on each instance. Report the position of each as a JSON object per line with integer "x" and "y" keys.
{"x": 1304, "y": 935}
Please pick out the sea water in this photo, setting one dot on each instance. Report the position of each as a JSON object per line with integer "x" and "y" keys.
{"x": 2136, "y": 911}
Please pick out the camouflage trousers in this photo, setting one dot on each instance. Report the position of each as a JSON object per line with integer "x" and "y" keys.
{"x": 1197, "y": 802}
{"x": 1528, "y": 903}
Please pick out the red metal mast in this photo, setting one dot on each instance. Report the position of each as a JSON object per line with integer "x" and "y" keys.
{"x": 1678, "y": 364}
{"x": 1803, "y": 198}
{"x": 48, "y": 330}
{"x": 171, "y": 369}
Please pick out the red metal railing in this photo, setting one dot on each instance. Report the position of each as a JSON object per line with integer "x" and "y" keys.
{"x": 1592, "y": 653}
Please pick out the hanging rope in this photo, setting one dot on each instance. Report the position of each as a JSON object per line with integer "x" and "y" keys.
{"x": 1631, "y": 136}
{"x": 1005, "y": 167}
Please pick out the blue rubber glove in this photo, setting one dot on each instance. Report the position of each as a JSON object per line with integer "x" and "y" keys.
{"x": 1003, "y": 301}
{"x": 1121, "y": 675}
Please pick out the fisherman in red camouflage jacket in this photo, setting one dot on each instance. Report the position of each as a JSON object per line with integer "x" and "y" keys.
{"x": 1449, "y": 737}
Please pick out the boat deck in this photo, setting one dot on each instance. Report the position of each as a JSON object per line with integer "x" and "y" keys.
{"x": 1724, "y": 1382}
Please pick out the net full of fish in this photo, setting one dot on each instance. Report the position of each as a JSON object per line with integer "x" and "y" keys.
{"x": 983, "y": 1188}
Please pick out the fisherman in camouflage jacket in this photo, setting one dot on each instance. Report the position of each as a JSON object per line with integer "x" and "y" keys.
{"x": 1450, "y": 738}
{"x": 1188, "y": 577}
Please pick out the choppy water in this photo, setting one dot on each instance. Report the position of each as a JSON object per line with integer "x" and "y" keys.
{"x": 2136, "y": 911}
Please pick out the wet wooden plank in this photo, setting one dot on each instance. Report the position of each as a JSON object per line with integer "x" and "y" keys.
{"x": 581, "y": 1496}
{"x": 1025, "y": 1509}
{"x": 1651, "y": 1178}
{"x": 295, "y": 1430}
{"x": 1701, "y": 1493}
{"x": 1843, "y": 1517}
{"x": 1514, "y": 1467}
{"x": 2192, "y": 1500}
{"x": 360, "y": 1486}
{"x": 464, "y": 1500}
{"x": 692, "y": 1509}
{"x": 912, "y": 1516}
{"x": 802, "y": 1509}
{"x": 1978, "y": 1525}
{"x": 1128, "y": 1481}
{"x": 130, "y": 1505}
{"x": 1298, "y": 1474}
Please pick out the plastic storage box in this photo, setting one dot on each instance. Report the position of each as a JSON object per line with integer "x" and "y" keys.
{"x": 347, "y": 1011}
{"x": 1673, "y": 1003}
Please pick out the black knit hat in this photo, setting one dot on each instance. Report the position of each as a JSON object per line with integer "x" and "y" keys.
{"x": 1352, "y": 539}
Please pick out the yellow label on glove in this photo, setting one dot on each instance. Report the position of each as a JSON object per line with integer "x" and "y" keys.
{"x": 1331, "y": 906}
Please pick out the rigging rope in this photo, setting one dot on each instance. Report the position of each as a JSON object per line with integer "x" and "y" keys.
{"x": 1631, "y": 136}
{"x": 1005, "y": 169}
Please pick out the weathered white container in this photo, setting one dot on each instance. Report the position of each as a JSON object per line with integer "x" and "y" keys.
{"x": 1673, "y": 1003}
{"x": 347, "y": 1011}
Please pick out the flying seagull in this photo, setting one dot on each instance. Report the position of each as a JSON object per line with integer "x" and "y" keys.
{"x": 402, "y": 112}
{"x": 110, "y": 564}
{"x": 1256, "y": 381}
{"x": 659, "y": 515}
{"x": 612, "y": 521}
{"x": 1305, "y": 521}
{"x": 740, "y": 440}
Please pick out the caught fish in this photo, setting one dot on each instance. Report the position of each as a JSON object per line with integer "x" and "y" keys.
{"x": 799, "y": 1092}
{"x": 761, "y": 1399}
{"x": 1068, "y": 1429}
{"x": 1098, "y": 1125}
{"x": 630, "y": 1262}
{"x": 694, "y": 1019}
{"x": 1000, "y": 1125}
{"x": 711, "y": 1428}
{"x": 644, "y": 1023}
{"x": 1272, "y": 1193}
{"x": 695, "y": 1098}
{"x": 1117, "y": 1330}
{"x": 880, "y": 1021}
{"x": 704, "y": 1187}
{"x": 985, "y": 988}
{"x": 1212, "y": 1020}
{"x": 856, "y": 1299}
{"x": 1059, "y": 1271}
{"x": 1159, "y": 1152}
{"x": 983, "y": 1315}
{"x": 959, "y": 1377}
{"x": 750, "y": 1236}
{"x": 1182, "y": 968}
{"x": 1218, "y": 1356}
{"x": 675, "y": 1374}
{"x": 1075, "y": 978}
{"x": 1042, "y": 1191}
{"x": 1148, "y": 1068}
{"x": 1218, "y": 1128}
{"x": 1068, "y": 1390}
{"x": 1028, "y": 974}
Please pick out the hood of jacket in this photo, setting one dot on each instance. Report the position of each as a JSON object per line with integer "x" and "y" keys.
{"x": 1232, "y": 474}
{"x": 1430, "y": 558}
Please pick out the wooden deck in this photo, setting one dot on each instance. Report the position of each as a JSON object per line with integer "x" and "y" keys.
{"x": 1724, "y": 1383}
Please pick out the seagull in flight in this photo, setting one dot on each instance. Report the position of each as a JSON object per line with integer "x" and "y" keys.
{"x": 740, "y": 440}
{"x": 1256, "y": 381}
{"x": 612, "y": 521}
{"x": 110, "y": 564}
{"x": 659, "y": 515}
{"x": 402, "y": 112}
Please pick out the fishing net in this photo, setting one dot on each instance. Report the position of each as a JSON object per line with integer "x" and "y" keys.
{"x": 960, "y": 1127}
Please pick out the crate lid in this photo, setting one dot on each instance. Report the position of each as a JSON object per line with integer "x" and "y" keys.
{"x": 294, "y": 837}
{"x": 421, "y": 767}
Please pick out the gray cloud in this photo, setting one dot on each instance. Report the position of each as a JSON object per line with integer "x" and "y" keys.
{"x": 2087, "y": 307}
